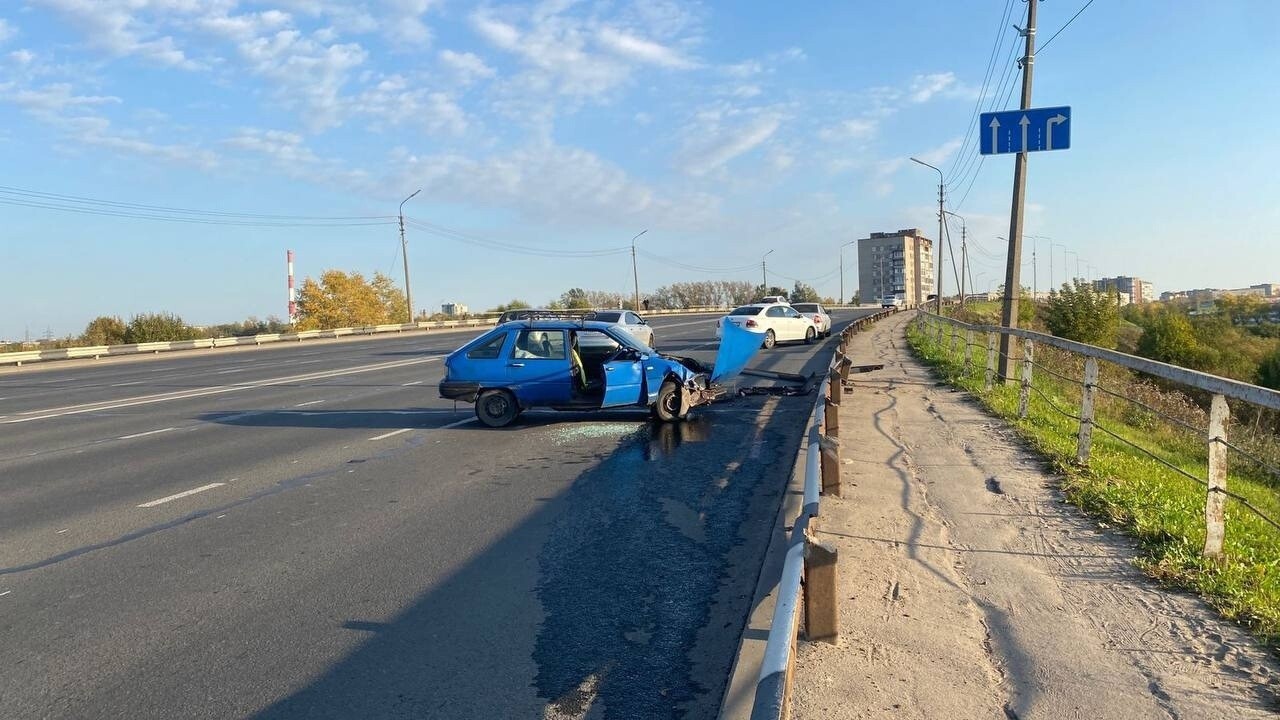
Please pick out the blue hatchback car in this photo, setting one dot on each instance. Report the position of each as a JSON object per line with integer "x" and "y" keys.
{"x": 571, "y": 364}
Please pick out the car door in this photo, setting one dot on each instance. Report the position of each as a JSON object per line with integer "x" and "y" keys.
{"x": 538, "y": 368}
{"x": 623, "y": 381}
{"x": 797, "y": 324}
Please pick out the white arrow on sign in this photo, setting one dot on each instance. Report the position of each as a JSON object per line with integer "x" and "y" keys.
{"x": 1048, "y": 129}
{"x": 1024, "y": 122}
{"x": 995, "y": 133}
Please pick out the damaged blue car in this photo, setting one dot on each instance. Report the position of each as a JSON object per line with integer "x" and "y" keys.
{"x": 567, "y": 363}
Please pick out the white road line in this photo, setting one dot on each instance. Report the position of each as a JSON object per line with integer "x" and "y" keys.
{"x": 126, "y": 384}
{"x": 215, "y": 390}
{"x": 6, "y": 592}
{"x": 456, "y": 424}
{"x": 228, "y": 372}
{"x": 183, "y": 494}
{"x": 415, "y": 382}
{"x": 144, "y": 434}
{"x": 393, "y": 433}
{"x": 313, "y": 402}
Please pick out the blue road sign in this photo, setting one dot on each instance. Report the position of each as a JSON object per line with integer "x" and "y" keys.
{"x": 1029, "y": 130}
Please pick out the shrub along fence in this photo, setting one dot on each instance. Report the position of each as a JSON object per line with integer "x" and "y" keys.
{"x": 1137, "y": 448}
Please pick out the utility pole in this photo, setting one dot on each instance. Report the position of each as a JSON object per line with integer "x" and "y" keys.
{"x": 635, "y": 278}
{"x": 1013, "y": 268}
{"x": 404, "y": 250}
{"x": 960, "y": 273}
{"x": 937, "y": 255}
{"x": 842, "y": 247}
{"x": 764, "y": 274}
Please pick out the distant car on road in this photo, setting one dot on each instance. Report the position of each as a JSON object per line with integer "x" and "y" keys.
{"x": 818, "y": 314}
{"x": 771, "y": 300}
{"x": 568, "y": 364}
{"x": 623, "y": 319}
{"x": 778, "y": 322}
{"x": 891, "y": 301}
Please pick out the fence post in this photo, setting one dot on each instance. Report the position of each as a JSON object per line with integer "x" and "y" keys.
{"x": 821, "y": 611}
{"x": 991, "y": 359}
{"x": 1216, "y": 498}
{"x": 829, "y": 456}
{"x": 831, "y": 413}
{"x": 940, "y": 323}
{"x": 1084, "y": 441}
{"x": 1024, "y": 396}
{"x": 968, "y": 350}
{"x": 834, "y": 388}
{"x": 955, "y": 337}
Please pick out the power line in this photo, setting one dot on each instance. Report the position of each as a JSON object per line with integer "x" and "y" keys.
{"x": 1004, "y": 87}
{"x": 986, "y": 78}
{"x": 696, "y": 268}
{"x": 1064, "y": 27}
{"x": 451, "y": 234}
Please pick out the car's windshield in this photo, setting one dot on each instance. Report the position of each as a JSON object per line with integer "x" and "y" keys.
{"x": 806, "y": 307}
{"x": 747, "y": 310}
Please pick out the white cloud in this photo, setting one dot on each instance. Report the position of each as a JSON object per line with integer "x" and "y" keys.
{"x": 857, "y": 129}
{"x": 52, "y": 101}
{"x": 404, "y": 23}
{"x": 245, "y": 26}
{"x": 939, "y": 155}
{"x": 309, "y": 75}
{"x": 113, "y": 26}
{"x": 395, "y": 101}
{"x": 924, "y": 87}
{"x": 642, "y": 50}
{"x": 467, "y": 66}
{"x": 746, "y": 92}
{"x": 22, "y": 57}
{"x": 714, "y": 145}
{"x": 7, "y": 31}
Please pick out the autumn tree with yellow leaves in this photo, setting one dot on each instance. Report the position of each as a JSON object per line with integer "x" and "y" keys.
{"x": 340, "y": 299}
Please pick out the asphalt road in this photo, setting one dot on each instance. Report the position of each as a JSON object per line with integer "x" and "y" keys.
{"x": 310, "y": 532}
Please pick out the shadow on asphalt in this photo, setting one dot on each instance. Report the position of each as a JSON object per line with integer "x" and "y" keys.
{"x": 644, "y": 570}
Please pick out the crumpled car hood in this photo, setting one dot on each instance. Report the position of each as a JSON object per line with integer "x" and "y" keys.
{"x": 737, "y": 346}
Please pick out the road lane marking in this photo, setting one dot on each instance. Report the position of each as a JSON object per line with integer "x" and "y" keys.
{"x": 126, "y": 384}
{"x": 464, "y": 421}
{"x": 180, "y": 495}
{"x": 6, "y": 592}
{"x": 202, "y": 392}
{"x": 313, "y": 402}
{"x": 393, "y": 433}
{"x": 228, "y": 372}
{"x": 415, "y": 382}
{"x": 144, "y": 434}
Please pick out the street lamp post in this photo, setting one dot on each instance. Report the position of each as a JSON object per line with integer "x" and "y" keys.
{"x": 635, "y": 277}
{"x": 764, "y": 273}
{"x": 404, "y": 250}
{"x": 842, "y": 247}
{"x": 1065, "y": 253}
{"x": 937, "y": 265}
{"x": 1052, "y": 245}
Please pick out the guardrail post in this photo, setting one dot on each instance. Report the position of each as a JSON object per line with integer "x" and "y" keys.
{"x": 821, "y": 611}
{"x": 968, "y": 350}
{"x": 1084, "y": 440}
{"x": 991, "y": 360}
{"x": 829, "y": 454}
{"x": 1024, "y": 396}
{"x": 831, "y": 414}
{"x": 1216, "y": 496}
{"x": 834, "y": 388}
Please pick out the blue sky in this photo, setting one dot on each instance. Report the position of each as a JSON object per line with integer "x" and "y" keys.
{"x": 723, "y": 129}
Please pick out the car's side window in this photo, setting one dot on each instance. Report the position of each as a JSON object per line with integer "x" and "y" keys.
{"x": 539, "y": 344}
{"x": 776, "y": 312}
{"x": 489, "y": 350}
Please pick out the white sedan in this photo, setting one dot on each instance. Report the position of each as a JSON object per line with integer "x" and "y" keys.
{"x": 818, "y": 314}
{"x": 778, "y": 323}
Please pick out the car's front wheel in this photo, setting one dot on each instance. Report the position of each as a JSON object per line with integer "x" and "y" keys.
{"x": 667, "y": 407}
{"x": 769, "y": 339}
{"x": 496, "y": 408}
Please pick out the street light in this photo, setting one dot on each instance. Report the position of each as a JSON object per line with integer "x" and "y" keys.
{"x": 404, "y": 250}
{"x": 937, "y": 273}
{"x": 1052, "y": 245}
{"x": 964, "y": 233}
{"x": 1065, "y": 253}
{"x": 764, "y": 273}
{"x": 842, "y": 247}
{"x": 635, "y": 278}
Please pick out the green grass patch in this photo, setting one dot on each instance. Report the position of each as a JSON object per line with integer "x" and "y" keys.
{"x": 1126, "y": 488}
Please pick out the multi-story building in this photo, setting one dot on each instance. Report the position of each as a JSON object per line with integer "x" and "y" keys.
{"x": 898, "y": 263}
{"x": 453, "y": 309}
{"x": 1139, "y": 290}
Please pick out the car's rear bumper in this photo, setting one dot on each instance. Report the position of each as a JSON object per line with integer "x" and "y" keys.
{"x": 459, "y": 390}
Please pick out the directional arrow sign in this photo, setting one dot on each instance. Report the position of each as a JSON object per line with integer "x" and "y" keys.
{"x": 1031, "y": 130}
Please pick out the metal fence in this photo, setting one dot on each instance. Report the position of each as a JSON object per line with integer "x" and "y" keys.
{"x": 949, "y": 335}
{"x": 809, "y": 569}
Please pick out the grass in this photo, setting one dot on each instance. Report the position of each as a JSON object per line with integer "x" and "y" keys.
{"x": 1126, "y": 488}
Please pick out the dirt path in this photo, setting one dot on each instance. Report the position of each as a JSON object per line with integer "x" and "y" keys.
{"x": 969, "y": 589}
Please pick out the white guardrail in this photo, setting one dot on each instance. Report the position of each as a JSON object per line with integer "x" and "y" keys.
{"x": 808, "y": 570}
{"x": 99, "y": 351}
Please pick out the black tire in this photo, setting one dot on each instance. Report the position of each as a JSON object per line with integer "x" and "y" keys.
{"x": 653, "y": 341}
{"x": 769, "y": 340}
{"x": 496, "y": 408}
{"x": 809, "y": 335}
{"x": 667, "y": 407}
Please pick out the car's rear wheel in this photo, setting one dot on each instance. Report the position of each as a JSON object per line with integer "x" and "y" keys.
{"x": 769, "y": 339}
{"x": 496, "y": 408}
{"x": 667, "y": 407}
{"x": 809, "y": 335}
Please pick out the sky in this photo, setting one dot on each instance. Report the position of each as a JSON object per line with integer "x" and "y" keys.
{"x": 545, "y": 136}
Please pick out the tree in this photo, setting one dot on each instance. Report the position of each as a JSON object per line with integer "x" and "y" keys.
{"x": 804, "y": 293}
{"x": 157, "y": 327}
{"x": 1269, "y": 371}
{"x": 575, "y": 299}
{"x": 514, "y": 304}
{"x": 342, "y": 300}
{"x": 104, "y": 330}
{"x": 1170, "y": 338}
{"x": 1083, "y": 314}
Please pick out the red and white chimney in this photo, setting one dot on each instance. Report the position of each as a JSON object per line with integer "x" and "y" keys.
{"x": 293, "y": 294}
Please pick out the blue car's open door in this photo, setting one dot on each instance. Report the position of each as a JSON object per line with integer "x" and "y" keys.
{"x": 623, "y": 381}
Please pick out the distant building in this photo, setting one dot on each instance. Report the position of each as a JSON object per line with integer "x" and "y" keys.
{"x": 898, "y": 263}
{"x": 1267, "y": 291}
{"x": 453, "y": 309}
{"x": 1138, "y": 290}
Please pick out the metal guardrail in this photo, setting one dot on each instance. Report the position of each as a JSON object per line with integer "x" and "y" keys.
{"x": 99, "y": 351}
{"x": 773, "y": 688}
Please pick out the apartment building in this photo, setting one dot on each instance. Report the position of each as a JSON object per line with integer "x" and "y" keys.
{"x": 896, "y": 263}
{"x": 1138, "y": 290}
